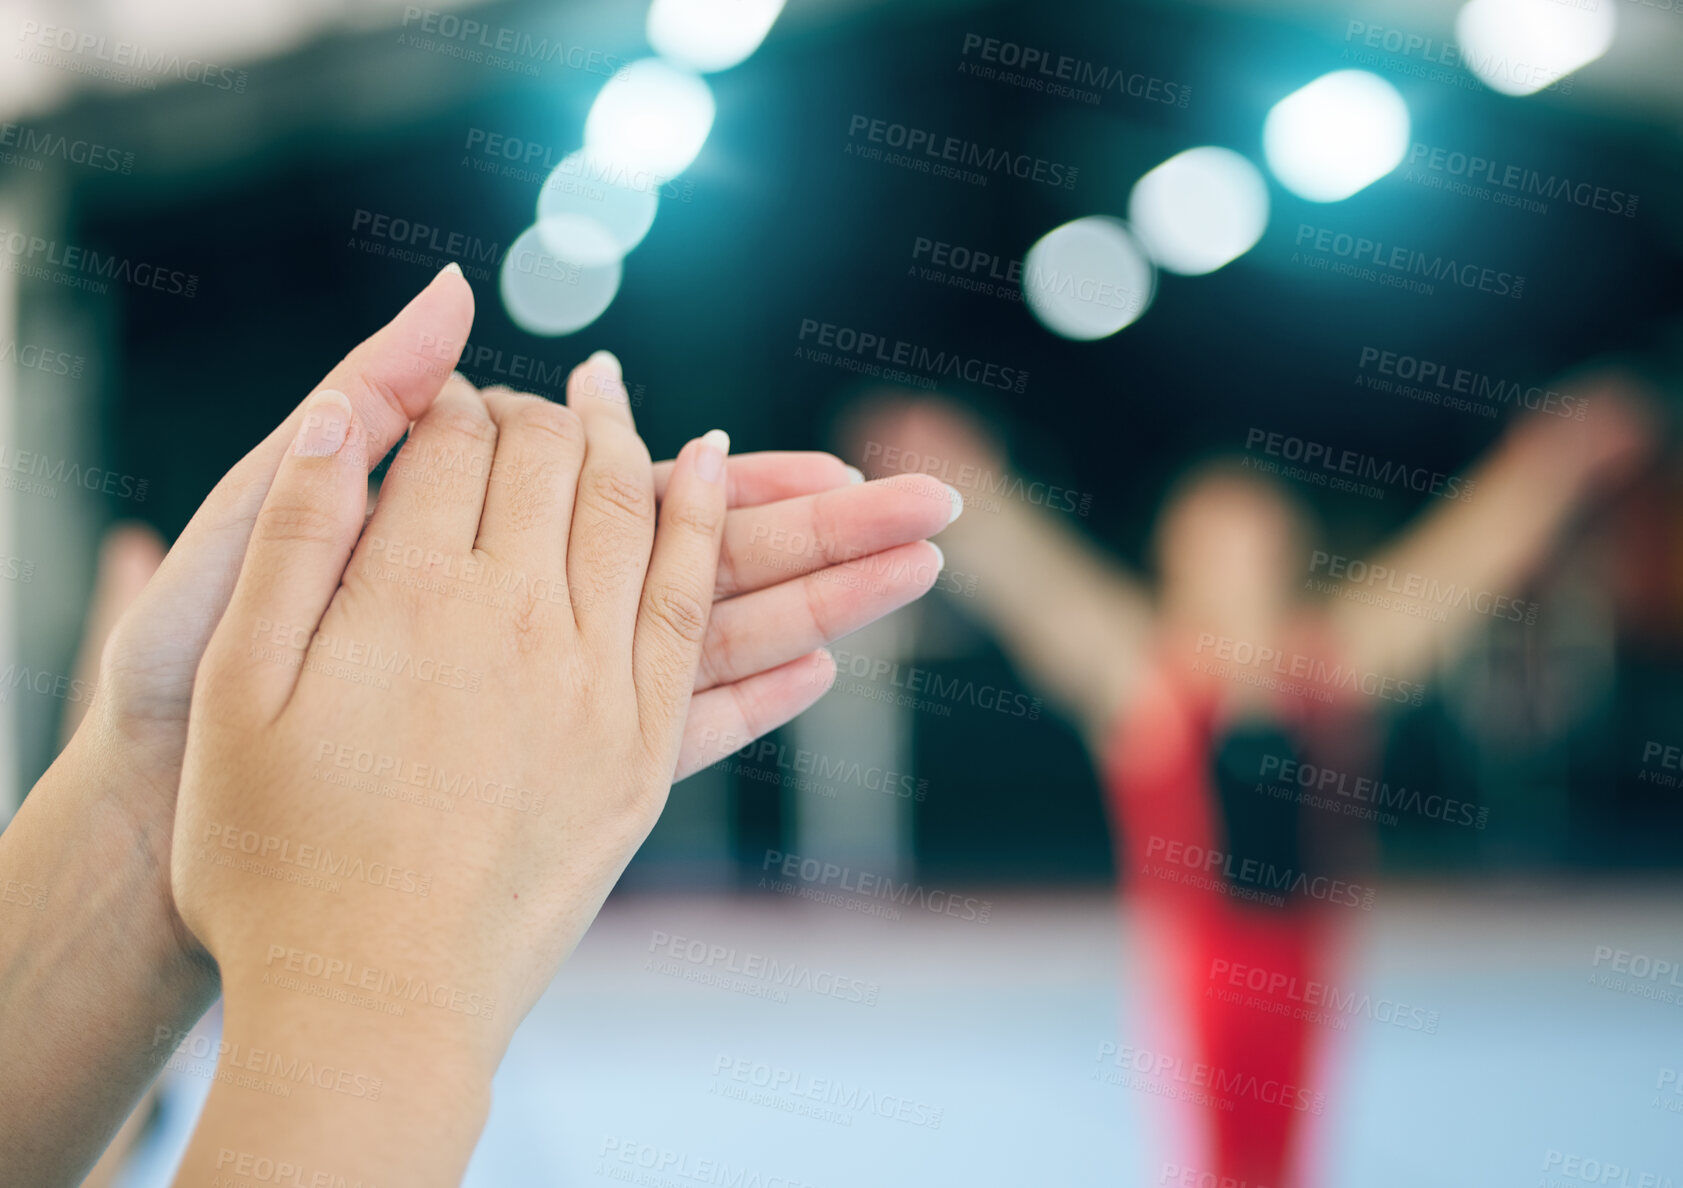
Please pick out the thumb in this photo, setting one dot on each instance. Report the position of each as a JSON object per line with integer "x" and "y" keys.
{"x": 300, "y": 543}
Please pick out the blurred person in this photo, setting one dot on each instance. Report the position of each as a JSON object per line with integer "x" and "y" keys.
{"x": 96, "y": 960}
{"x": 1191, "y": 695}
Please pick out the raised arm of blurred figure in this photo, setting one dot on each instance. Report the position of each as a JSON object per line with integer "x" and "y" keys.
{"x": 1073, "y": 620}
{"x": 1543, "y": 471}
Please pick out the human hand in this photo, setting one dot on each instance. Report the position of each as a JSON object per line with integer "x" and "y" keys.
{"x": 575, "y": 692}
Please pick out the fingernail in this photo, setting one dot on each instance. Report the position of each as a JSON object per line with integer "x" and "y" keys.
{"x": 710, "y": 462}
{"x": 855, "y": 475}
{"x": 603, "y": 379}
{"x": 327, "y": 422}
{"x": 958, "y": 503}
{"x": 451, "y": 267}
{"x": 940, "y": 557}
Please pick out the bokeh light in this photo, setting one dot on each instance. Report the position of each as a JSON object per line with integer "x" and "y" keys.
{"x": 650, "y": 117}
{"x": 1199, "y": 210}
{"x": 708, "y": 35}
{"x": 1336, "y": 136}
{"x": 1518, "y": 47}
{"x": 587, "y": 215}
{"x": 1087, "y": 279}
{"x": 545, "y": 293}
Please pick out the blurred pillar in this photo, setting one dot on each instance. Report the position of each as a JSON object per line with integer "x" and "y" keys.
{"x": 857, "y": 826}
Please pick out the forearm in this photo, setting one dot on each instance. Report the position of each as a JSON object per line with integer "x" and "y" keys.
{"x": 92, "y": 970}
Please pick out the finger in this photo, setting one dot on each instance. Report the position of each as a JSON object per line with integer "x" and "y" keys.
{"x": 730, "y": 717}
{"x": 757, "y": 631}
{"x": 672, "y": 616}
{"x": 128, "y": 557}
{"x": 766, "y": 477}
{"x": 529, "y": 504}
{"x": 434, "y": 491}
{"x": 779, "y": 541}
{"x": 299, "y": 545}
{"x": 390, "y": 378}
{"x": 613, "y": 512}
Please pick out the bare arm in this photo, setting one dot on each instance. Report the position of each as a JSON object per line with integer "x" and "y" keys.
{"x": 1075, "y": 622}
{"x": 1473, "y": 556}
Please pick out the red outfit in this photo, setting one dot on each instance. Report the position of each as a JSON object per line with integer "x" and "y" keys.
{"x": 1240, "y": 1052}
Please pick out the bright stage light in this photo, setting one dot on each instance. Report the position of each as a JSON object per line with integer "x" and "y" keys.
{"x": 1519, "y": 47}
{"x": 1338, "y": 135}
{"x": 1199, "y": 210}
{"x": 650, "y": 117}
{"x": 586, "y": 213}
{"x": 1087, "y": 279}
{"x": 547, "y": 294}
{"x": 708, "y": 35}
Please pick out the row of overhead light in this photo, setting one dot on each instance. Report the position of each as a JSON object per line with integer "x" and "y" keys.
{"x": 1205, "y": 207}
{"x": 1087, "y": 279}
{"x": 644, "y": 128}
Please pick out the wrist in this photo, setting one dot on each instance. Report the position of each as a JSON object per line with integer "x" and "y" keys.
{"x": 343, "y": 1095}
